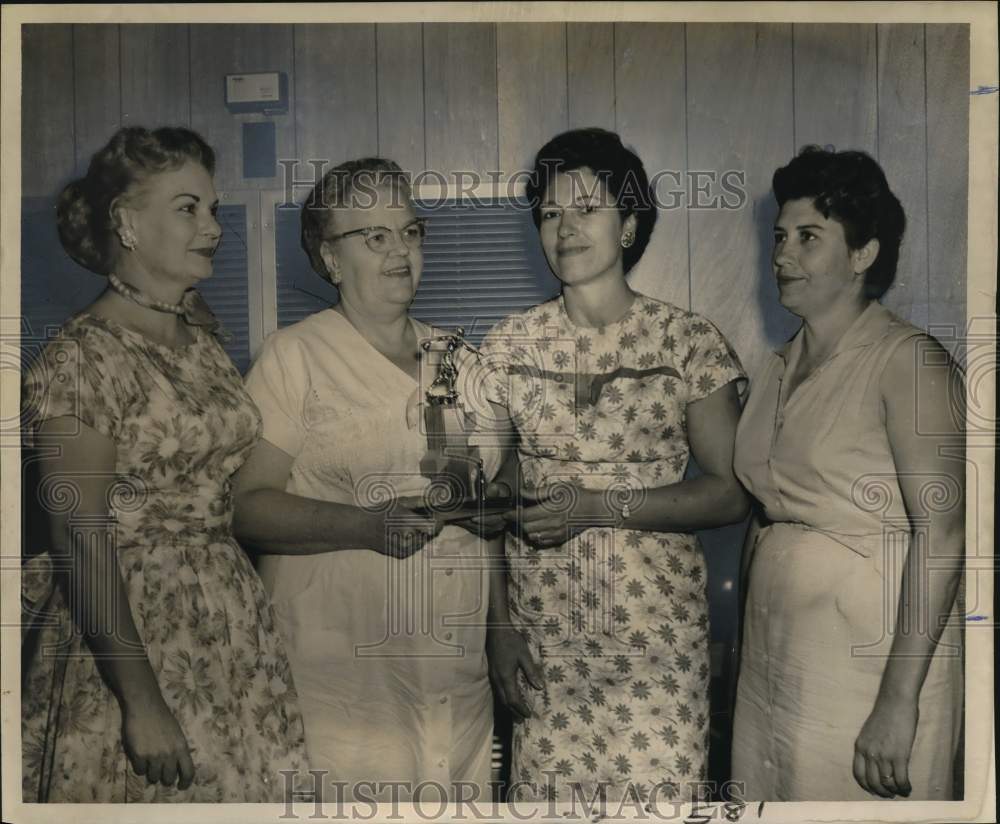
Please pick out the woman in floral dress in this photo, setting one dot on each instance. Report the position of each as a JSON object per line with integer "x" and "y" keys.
{"x": 157, "y": 674}
{"x": 609, "y": 393}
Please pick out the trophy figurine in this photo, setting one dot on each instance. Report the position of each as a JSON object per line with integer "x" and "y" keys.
{"x": 454, "y": 466}
{"x": 455, "y": 469}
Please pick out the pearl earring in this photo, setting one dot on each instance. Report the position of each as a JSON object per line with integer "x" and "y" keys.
{"x": 128, "y": 239}
{"x": 627, "y": 240}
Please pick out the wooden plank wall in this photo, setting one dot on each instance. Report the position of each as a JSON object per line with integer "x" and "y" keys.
{"x": 946, "y": 72}
{"x": 480, "y": 97}
{"x": 651, "y": 115}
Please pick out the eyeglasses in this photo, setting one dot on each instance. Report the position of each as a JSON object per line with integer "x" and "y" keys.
{"x": 381, "y": 239}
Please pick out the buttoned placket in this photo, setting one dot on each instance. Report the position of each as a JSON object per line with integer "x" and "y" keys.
{"x": 861, "y": 322}
{"x": 440, "y": 723}
{"x": 782, "y": 404}
{"x": 782, "y": 407}
{"x": 769, "y": 675}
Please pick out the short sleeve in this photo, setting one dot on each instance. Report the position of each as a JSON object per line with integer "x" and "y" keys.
{"x": 509, "y": 349}
{"x": 490, "y": 379}
{"x": 277, "y": 382}
{"x": 79, "y": 375}
{"x": 708, "y": 361}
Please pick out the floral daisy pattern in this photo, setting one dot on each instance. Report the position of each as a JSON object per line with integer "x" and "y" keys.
{"x": 618, "y": 618}
{"x": 182, "y": 424}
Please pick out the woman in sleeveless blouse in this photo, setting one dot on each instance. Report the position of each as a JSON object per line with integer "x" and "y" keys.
{"x": 850, "y": 683}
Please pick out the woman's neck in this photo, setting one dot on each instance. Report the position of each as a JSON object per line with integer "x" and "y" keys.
{"x": 822, "y": 333}
{"x": 165, "y": 328}
{"x": 598, "y": 303}
{"x": 161, "y": 289}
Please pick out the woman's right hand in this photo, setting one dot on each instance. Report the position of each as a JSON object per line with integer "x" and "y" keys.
{"x": 403, "y": 534}
{"x": 507, "y": 652}
{"x": 155, "y": 744}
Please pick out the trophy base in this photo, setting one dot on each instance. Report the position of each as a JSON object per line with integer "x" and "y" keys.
{"x": 458, "y": 510}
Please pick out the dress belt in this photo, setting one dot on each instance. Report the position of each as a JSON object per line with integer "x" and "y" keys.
{"x": 866, "y": 545}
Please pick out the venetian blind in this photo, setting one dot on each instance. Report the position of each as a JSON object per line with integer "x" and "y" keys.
{"x": 228, "y": 290}
{"x": 53, "y": 287}
{"x": 482, "y": 261}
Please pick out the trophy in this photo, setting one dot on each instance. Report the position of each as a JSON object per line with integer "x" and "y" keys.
{"x": 453, "y": 466}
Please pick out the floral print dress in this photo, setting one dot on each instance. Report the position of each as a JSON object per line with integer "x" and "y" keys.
{"x": 182, "y": 424}
{"x": 617, "y": 617}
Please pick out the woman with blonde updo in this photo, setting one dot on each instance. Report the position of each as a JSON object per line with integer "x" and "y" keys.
{"x": 158, "y": 675}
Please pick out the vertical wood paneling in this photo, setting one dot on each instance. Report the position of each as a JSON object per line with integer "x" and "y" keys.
{"x": 218, "y": 50}
{"x": 902, "y": 152}
{"x": 363, "y": 89}
{"x": 738, "y": 74}
{"x": 460, "y": 94}
{"x": 400, "y": 49}
{"x": 590, "y": 69}
{"x": 739, "y": 118}
{"x": 97, "y": 84}
{"x": 835, "y": 86}
{"x": 651, "y": 111}
{"x": 337, "y": 119}
{"x": 156, "y": 75}
{"x": 948, "y": 174}
{"x": 47, "y": 112}
{"x": 531, "y": 80}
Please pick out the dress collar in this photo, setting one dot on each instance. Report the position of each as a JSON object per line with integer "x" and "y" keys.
{"x": 869, "y": 327}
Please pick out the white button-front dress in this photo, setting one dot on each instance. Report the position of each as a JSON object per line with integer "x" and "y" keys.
{"x": 388, "y": 655}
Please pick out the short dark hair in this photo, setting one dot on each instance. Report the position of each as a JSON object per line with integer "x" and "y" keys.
{"x": 610, "y": 160}
{"x": 131, "y": 156}
{"x": 851, "y": 188}
{"x": 334, "y": 190}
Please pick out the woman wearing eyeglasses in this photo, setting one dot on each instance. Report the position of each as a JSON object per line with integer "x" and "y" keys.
{"x": 383, "y": 625}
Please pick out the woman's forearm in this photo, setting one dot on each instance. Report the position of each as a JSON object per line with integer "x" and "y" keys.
{"x": 921, "y": 615}
{"x": 705, "y": 502}
{"x": 101, "y": 611}
{"x": 921, "y": 376}
{"x": 280, "y": 523}
{"x": 85, "y": 555}
{"x": 498, "y": 614}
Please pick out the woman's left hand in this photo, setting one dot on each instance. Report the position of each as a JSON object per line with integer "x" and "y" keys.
{"x": 882, "y": 749}
{"x": 557, "y": 514}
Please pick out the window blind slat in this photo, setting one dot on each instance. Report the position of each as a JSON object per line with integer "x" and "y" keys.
{"x": 481, "y": 263}
{"x": 53, "y": 287}
{"x": 227, "y": 292}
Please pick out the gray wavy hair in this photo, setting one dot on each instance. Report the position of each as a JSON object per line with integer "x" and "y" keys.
{"x": 350, "y": 185}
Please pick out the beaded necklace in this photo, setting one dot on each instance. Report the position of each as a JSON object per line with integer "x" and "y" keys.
{"x": 127, "y": 290}
{"x": 192, "y": 308}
